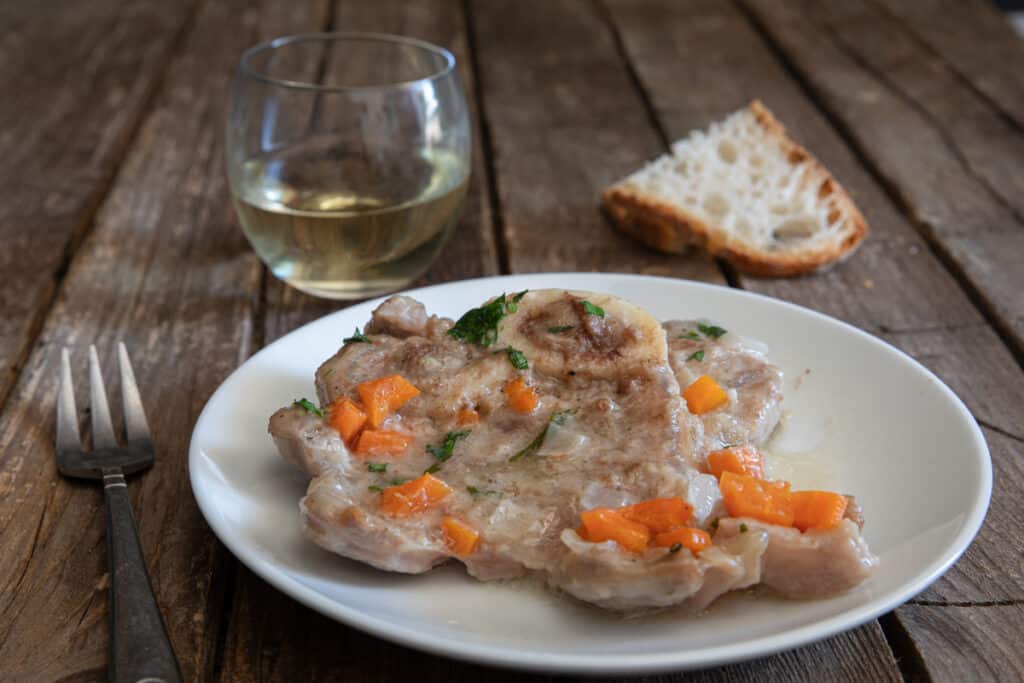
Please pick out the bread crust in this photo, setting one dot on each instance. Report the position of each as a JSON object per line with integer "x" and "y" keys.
{"x": 673, "y": 230}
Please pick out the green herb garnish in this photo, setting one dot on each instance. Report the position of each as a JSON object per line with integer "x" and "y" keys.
{"x": 743, "y": 528}
{"x": 557, "y": 418}
{"x": 308, "y": 406}
{"x": 676, "y": 547}
{"x": 592, "y": 309}
{"x": 393, "y": 482}
{"x": 480, "y": 325}
{"x": 444, "y": 451}
{"x": 375, "y": 489}
{"x": 713, "y": 331}
{"x": 357, "y": 337}
{"x": 697, "y": 355}
{"x": 377, "y": 467}
{"x": 476, "y": 493}
{"x": 436, "y": 467}
{"x": 517, "y": 358}
{"x": 558, "y": 329}
{"x": 690, "y": 334}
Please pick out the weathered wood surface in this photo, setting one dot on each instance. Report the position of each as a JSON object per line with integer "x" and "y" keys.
{"x": 166, "y": 270}
{"x": 62, "y": 143}
{"x": 970, "y": 643}
{"x": 569, "y": 100}
{"x": 914, "y": 149}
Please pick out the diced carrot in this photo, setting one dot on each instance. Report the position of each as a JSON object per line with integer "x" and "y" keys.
{"x": 347, "y": 417}
{"x": 704, "y": 395}
{"x": 747, "y": 496}
{"x": 383, "y": 396}
{"x": 382, "y": 442}
{"x": 467, "y": 416}
{"x": 521, "y": 398}
{"x": 460, "y": 538}
{"x": 659, "y": 515}
{"x": 737, "y": 459}
{"x": 693, "y": 539}
{"x": 605, "y": 524}
{"x": 413, "y": 496}
{"x": 818, "y": 509}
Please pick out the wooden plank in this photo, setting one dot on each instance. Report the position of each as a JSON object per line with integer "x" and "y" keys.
{"x": 973, "y": 230}
{"x": 974, "y": 38}
{"x": 566, "y": 122}
{"x": 186, "y": 328}
{"x": 298, "y": 644}
{"x": 471, "y": 252}
{"x": 972, "y": 643}
{"x": 976, "y": 138}
{"x": 78, "y": 77}
{"x": 674, "y": 42}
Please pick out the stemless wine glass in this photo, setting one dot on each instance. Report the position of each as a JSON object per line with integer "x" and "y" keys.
{"x": 348, "y": 156}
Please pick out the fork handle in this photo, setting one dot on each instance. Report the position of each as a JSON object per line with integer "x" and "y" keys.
{"x": 140, "y": 648}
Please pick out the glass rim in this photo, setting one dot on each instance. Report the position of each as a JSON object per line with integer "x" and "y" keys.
{"x": 283, "y": 41}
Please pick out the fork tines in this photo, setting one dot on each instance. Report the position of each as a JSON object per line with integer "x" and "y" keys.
{"x": 136, "y": 426}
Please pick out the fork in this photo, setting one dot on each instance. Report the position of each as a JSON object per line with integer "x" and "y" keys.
{"x": 139, "y": 647}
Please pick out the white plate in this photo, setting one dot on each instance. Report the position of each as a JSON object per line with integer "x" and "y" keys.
{"x": 880, "y": 426}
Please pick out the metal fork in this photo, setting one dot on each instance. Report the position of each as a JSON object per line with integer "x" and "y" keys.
{"x": 139, "y": 647}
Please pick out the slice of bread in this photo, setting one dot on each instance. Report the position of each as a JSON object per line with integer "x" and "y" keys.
{"x": 745, "y": 191}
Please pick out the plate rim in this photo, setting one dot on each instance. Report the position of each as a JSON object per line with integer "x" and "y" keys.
{"x": 607, "y": 664}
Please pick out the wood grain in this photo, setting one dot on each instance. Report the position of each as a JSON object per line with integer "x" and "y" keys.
{"x": 62, "y": 143}
{"x": 166, "y": 270}
{"x": 968, "y": 643}
{"x": 975, "y": 38}
{"x": 974, "y": 231}
{"x": 566, "y": 122}
{"x": 893, "y": 283}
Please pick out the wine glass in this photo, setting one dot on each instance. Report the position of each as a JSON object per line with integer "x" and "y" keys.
{"x": 348, "y": 156}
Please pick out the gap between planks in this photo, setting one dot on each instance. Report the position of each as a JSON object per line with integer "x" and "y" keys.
{"x": 956, "y": 270}
{"x": 88, "y": 220}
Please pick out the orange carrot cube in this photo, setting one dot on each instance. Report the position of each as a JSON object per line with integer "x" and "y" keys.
{"x": 605, "y": 524}
{"x": 460, "y": 538}
{"x": 660, "y": 514}
{"x": 818, "y": 509}
{"x": 385, "y": 395}
{"x": 413, "y": 496}
{"x": 521, "y": 398}
{"x": 467, "y": 416}
{"x": 347, "y": 417}
{"x": 704, "y": 395}
{"x": 747, "y": 496}
{"x": 738, "y": 460}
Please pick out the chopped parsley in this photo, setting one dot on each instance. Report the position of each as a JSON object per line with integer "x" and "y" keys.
{"x": 517, "y": 358}
{"x": 676, "y": 547}
{"x": 357, "y": 337}
{"x": 375, "y": 489}
{"x": 713, "y": 331}
{"x": 476, "y": 493}
{"x": 436, "y": 467}
{"x": 743, "y": 528}
{"x": 308, "y": 406}
{"x": 557, "y": 418}
{"x": 558, "y": 329}
{"x": 689, "y": 334}
{"x": 377, "y": 467}
{"x": 697, "y": 355}
{"x": 480, "y": 325}
{"x": 444, "y": 451}
{"x": 592, "y": 309}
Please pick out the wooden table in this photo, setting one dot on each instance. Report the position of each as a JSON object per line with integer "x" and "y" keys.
{"x": 116, "y": 225}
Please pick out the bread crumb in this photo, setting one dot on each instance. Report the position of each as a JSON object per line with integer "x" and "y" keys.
{"x": 869, "y": 283}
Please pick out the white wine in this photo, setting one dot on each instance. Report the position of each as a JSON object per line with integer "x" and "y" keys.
{"x": 344, "y": 226}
